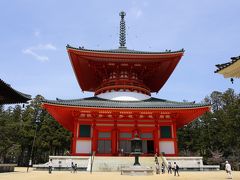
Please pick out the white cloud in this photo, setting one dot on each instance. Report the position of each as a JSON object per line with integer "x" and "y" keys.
{"x": 35, "y": 55}
{"x": 48, "y": 46}
{"x": 34, "y": 51}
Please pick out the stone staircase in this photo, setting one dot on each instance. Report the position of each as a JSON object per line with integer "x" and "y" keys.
{"x": 117, "y": 163}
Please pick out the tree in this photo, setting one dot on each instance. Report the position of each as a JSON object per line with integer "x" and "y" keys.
{"x": 215, "y": 135}
{"x": 17, "y": 129}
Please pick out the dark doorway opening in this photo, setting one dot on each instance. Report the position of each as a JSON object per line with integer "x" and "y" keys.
{"x": 150, "y": 146}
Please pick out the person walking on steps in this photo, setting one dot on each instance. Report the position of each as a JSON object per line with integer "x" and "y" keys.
{"x": 176, "y": 169}
{"x": 157, "y": 166}
{"x": 156, "y": 158}
{"x": 163, "y": 168}
{"x": 169, "y": 167}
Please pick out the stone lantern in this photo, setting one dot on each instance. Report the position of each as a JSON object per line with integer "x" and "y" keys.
{"x": 136, "y": 149}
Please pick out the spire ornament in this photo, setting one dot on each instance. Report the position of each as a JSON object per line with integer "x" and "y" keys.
{"x": 122, "y": 34}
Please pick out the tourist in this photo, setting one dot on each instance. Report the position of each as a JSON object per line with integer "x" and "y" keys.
{"x": 50, "y": 166}
{"x": 156, "y": 158}
{"x": 75, "y": 168}
{"x": 157, "y": 168}
{"x": 72, "y": 168}
{"x": 122, "y": 152}
{"x": 163, "y": 168}
{"x": 67, "y": 153}
{"x": 228, "y": 170}
{"x": 169, "y": 167}
{"x": 176, "y": 169}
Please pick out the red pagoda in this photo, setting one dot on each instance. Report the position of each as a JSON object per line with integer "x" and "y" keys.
{"x": 122, "y": 81}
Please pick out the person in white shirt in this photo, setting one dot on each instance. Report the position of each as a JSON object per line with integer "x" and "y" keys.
{"x": 176, "y": 169}
{"x": 228, "y": 170}
{"x": 50, "y": 166}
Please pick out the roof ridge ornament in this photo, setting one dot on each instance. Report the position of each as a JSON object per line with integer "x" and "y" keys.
{"x": 122, "y": 34}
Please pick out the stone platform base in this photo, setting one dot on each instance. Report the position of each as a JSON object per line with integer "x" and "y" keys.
{"x": 137, "y": 170}
{"x": 192, "y": 164}
{"x": 117, "y": 163}
{"x": 63, "y": 163}
{"x": 7, "y": 167}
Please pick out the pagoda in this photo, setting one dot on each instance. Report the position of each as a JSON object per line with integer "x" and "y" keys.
{"x": 122, "y": 81}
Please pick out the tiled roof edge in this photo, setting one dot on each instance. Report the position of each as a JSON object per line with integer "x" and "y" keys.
{"x": 225, "y": 65}
{"x": 94, "y": 99}
{"x": 27, "y": 96}
{"x": 122, "y": 50}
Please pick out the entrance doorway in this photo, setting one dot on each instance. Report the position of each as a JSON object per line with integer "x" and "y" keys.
{"x": 104, "y": 146}
{"x": 148, "y": 146}
{"x": 125, "y": 147}
{"x": 104, "y": 143}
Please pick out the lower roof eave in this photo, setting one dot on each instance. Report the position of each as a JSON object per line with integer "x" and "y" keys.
{"x": 127, "y": 108}
{"x": 64, "y": 114}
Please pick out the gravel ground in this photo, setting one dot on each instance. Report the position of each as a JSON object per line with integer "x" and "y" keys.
{"x": 21, "y": 174}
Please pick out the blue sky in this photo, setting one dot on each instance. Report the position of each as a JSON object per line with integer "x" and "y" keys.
{"x": 34, "y": 35}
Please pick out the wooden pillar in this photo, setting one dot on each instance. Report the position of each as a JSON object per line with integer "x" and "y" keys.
{"x": 94, "y": 136}
{"x": 156, "y": 137}
{"x": 74, "y": 139}
{"x": 72, "y": 142}
{"x": 114, "y": 139}
{"x": 136, "y": 130}
{"x": 175, "y": 137}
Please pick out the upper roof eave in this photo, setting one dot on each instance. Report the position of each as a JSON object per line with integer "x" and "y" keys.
{"x": 126, "y": 51}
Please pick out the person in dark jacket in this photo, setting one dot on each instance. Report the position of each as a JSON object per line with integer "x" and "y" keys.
{"x": 176, "y": 169}
{"x": 169, "y": 167}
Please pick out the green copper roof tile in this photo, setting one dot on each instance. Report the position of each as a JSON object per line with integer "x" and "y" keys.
{"x": 225, "y": 65}
{"x": 104, "y": 103}
{"x": 8, "y": 95}
{"x": 124, "y": 50}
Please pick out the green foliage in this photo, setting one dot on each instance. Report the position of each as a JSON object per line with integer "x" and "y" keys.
{"x": 215, "y": 135}
{"x": 17, "y": 130}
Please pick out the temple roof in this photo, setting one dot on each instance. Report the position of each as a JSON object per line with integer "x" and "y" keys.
{"x": 104, "y": 103}
{"x": 125, "y": 50}
{"x": 8, "y": 95}
{"x": 230, "y": 69}
{"x": 92, "y": 66}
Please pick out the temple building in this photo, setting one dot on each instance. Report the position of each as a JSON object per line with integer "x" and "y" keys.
{"x": 9, "y": 95}
{"x": 122, "y": 81}
{"x": 230, "y": 69}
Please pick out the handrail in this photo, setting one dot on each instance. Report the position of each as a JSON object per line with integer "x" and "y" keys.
{"x": 164, "y": 160}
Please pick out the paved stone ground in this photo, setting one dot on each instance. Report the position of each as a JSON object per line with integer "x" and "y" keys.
{"x": 21, "y": 174}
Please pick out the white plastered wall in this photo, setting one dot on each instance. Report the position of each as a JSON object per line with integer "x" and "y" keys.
{"x": 123, "y": 96}
{"x": 83, "y": 146}
{"x": 167, "y": 147}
